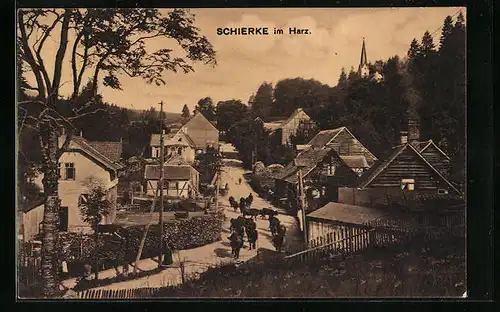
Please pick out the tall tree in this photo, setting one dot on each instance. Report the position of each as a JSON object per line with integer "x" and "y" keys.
{"x": 102, "y": 44}
{"x": 185, "y": 111}
{"x": 342, "y": 78}
{"x": 446, "y": 30}
{"x": 262, "y": 102}
{"x": 414, "y": 50}
{"x": 230, "y": 112}
{"x": 290, "y": 94}
{"x": 206, "y": 107}
{"x": 427, "y": 47}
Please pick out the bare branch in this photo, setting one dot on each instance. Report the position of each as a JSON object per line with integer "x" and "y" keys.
{"x": 73, "y": 65}
{"x": 38, "y": 50}
{"x": 62, "y": 50}
{"x": 28, "y": 53}
{"x": 88, "y": 113}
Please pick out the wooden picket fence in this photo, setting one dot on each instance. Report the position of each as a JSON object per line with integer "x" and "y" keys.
{"x": 148, "y": 292}
{"x": 344, "y": 241}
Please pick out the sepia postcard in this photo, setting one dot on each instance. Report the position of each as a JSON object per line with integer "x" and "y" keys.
{"x": 241, "y": 153}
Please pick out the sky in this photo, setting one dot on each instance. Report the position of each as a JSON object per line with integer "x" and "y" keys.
{"x": 245, "y": 62}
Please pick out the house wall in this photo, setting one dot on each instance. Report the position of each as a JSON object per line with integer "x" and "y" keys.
{"x": 345, "y": 144}
{"x": 202, "y": 132}
{"x": 409, "y": 165}
{"x": 187, "y": 153}
{"x": 292, "y": 126}
{"x": 437, "y": 160}
{"x": 378, "y": 196}
{"x": 70, "y": 190}
{"x": 172, "y": 190}
{"x": 31, "y": 221}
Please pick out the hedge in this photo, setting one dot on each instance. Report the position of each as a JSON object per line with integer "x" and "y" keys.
{"x": 179, "y": 234}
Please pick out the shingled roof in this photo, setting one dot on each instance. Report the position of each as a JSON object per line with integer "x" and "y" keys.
{"x": 91, "y": 149}
{"x": 324, "y": 137}
{"x": 350, "y": 214}
{"x": 308, "y": 158}
{"x": 112, "y": 150}
{"x": 170, "y": 172}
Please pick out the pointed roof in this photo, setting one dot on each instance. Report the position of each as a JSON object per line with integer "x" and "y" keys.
{"x": 363, "y": 60}
{"x": 377, "y": 169}
{"x": 197, "y": 121}
{"x": 325, "y": 137}
{"x": 294, "y": 114}
{"x": 91, "y": 150}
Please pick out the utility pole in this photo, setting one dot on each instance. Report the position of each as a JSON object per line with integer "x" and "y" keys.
{"x": 160, "y": 257}
{"x": 302, "y": 204}
{"x": 217, "y": 172}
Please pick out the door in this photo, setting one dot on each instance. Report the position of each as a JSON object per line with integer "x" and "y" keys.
{"x": 63, "y": 219}
{"x": 332, "y": 189}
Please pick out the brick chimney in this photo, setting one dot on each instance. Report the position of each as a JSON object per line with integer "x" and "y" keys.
{"x": 413, "y": 131}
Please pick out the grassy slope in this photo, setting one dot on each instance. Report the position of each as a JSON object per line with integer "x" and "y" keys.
{"x": 427, "y": 270}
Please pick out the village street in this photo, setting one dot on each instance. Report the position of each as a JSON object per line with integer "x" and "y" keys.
{"x": 198, "y": 260}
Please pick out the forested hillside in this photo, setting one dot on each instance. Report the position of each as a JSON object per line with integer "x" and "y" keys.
{"x": 427, "y": 84}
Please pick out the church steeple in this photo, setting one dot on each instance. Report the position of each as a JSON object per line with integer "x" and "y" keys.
{"x": 363, "y": 60}
{"x": 363, "y": 70}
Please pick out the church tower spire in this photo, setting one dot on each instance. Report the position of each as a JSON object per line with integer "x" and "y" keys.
{"x": 363, "y": 70}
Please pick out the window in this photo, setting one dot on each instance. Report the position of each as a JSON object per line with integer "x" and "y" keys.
{"x": 330, "y": 169}
{"x": 180, "y": 140}
{"x": 442, "y": 191}
{"x": 70, "y": 171}
{"x": 63, "y": 219}
{"x": 59, "y": 170}
{"x": 179, "y": 150}
{"x": 408, "y": 184}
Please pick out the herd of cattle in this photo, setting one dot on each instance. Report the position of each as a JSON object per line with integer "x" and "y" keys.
{"x": 243, "y": 224}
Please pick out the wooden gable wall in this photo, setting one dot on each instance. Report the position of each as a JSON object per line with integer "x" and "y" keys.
{"x": 344, "y": 175}
{"x": 437, "y": 160}
{"x": 346, "y": 144}
{"x": 409, "y": 165}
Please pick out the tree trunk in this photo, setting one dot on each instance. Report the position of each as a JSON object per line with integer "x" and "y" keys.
{"x": 50, "y": 278}
{"x": 96, "y": 258}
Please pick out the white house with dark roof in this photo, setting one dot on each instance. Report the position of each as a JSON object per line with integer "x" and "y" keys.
{"x": 83, "y": 160}
{"x": 192, "y": 137}
{"x": 174, "y": 143}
